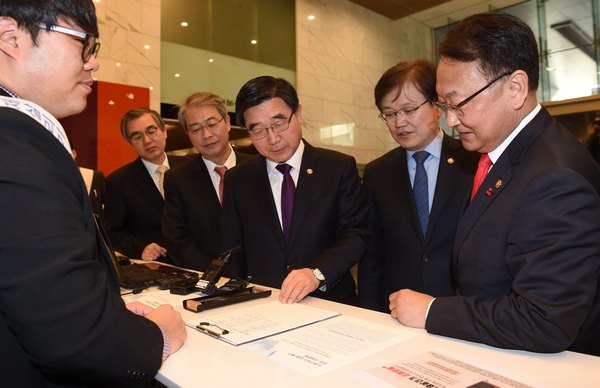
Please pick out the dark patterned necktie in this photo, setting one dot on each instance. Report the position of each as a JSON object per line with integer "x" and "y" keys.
{"x": 420, "y": 191}
{"x": 221, "y": 171}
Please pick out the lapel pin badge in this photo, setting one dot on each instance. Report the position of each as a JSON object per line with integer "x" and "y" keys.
{"x": 450, "y": 160}
{"x": 309, "y": 171}
{"x": 498, "y": 183}
{"x": 489, "y": 192}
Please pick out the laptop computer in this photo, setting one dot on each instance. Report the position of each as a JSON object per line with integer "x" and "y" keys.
{"x": 136, "y": 276}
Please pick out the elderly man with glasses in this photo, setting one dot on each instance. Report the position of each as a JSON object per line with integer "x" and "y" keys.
{"x": 194, "y": 189}
{"x": 134, "y": 193}
{"x": 297, "y": 211}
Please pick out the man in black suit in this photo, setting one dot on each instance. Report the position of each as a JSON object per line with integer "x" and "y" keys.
{"x": 62, "y": 320}
{"x": 403, "y": 253}
{"x": 305, "y": 244}
{"x": 526, "y": 251}
{"x": 193, "y": 189}
{"x": 134, "y": 200}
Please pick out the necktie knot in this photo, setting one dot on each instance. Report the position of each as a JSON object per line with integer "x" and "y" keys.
{"x": 221, "y": 170}
{"x": 482, "y": 169}
{"x": 284, "y": 168}
{"x": 161, "y": 169}
{"x": 420, "y": 157}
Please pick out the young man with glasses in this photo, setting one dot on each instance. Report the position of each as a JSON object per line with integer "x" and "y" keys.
{"x": 63, "y": 322}
{"x": 193, "y": 189}
{"x": 296, "y": 210}
{"x": 415, "y": 192}
{"x": 134, "y": 193}
{"x": 526, "y": 251}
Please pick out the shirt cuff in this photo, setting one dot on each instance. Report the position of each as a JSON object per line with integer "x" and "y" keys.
{"x": 166, "y": 345}
{"x": 428, "y": 307}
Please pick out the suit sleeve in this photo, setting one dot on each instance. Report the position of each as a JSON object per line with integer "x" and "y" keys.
{"x": 175, "y": 227}
{"x": 114, "y": 217}
{"x": 553, "y": 255}
{"x": 54, "y": 294}
{"x": 370, "y": 276}
{"x": 351, "y": 240}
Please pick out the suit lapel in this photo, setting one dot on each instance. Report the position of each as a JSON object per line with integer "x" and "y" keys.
{"x": 146, "y": 184}
{"x": 264, "y": 197}
{"x": 205, "y": 188}
{"x": 308, "y": 179}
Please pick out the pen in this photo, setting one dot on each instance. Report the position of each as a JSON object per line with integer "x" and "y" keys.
{"x": 207, "y": 328}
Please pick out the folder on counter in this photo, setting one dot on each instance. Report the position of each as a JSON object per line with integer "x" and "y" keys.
{"x": 260, "y": 321}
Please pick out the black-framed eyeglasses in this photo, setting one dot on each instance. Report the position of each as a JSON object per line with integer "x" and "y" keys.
{"x": 137, "y": 137}
{"x": 277, "y": 126}
{"x": 456, "y": 109}
{"x": 407, "y": 112}
{"x": 91, "y": 46}
{"x": 210, "y": 124}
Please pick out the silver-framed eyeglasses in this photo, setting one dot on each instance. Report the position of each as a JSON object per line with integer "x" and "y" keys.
{"x": 277, "y": 126}
{"x": 401, "y": 113}
{"x": 209, "y": 124}
{"x": 137, "y": 136}
{"x": 91, "y": 46}
{"x": 456, "y": 109}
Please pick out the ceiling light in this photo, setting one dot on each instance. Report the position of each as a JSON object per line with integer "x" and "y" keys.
{"x": 118, "y": 64}
{"x": 147, "y": 46}
{"x": 311, "y": 17}
{"x": 211, "y": 60}
{"x": 253, "y": 41}
{"x": 184, "y": 24}
{"x": 151, "y": 87}
{"x": 177, "y": 75}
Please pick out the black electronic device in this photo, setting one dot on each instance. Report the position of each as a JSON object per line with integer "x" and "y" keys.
{"x": 225, "y": 298}
{"x": 215, "y": 270}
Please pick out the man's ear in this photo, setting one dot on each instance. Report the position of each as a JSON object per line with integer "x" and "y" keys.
{"x": 9, "y": 31}
{"x": 519, "y": 88}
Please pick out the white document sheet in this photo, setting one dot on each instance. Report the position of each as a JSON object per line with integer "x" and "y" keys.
{"x": 327, "y": 345}
{"x": 256, "y": 322}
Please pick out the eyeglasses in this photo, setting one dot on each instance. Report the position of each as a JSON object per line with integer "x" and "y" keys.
{"x": 209, "y": 124}
{"x": 277, "y": 126}
{"x": 389, "y": 116}
{"x": 456, "y": 109}
{"x": 137, "y": 137}
{"x": 90, "y": 46}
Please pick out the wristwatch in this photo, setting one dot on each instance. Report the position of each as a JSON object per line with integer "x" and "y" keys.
{"x": 319, "y": 275}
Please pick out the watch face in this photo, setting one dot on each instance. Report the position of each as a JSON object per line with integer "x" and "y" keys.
{"x": 318, "y": 274}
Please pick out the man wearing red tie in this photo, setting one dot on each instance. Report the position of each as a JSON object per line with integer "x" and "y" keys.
{"x": 194, "y": 189}
{"x": 526, "y": 251}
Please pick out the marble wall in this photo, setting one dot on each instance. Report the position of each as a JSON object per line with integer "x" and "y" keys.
{"x": 340, "y": 56}
{"x": 130, "y": 44}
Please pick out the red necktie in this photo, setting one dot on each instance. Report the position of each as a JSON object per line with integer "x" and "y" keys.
{"x": 221, "y": 171}
{"x": 482, "y": 169}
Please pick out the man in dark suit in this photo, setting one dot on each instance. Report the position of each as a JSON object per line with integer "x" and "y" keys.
{"x": 403, "y": 252}
{"x": 526, "y": 252}
{"x": 297, "y": 211}
{"x": 193, "y": 189}
{"x": 63, "y": 322}
{"x": 134, "y": 200}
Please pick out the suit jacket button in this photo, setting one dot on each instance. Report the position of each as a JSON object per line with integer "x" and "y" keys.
{"x": 425, "y": 258}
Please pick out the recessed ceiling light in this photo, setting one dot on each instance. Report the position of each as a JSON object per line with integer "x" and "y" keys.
{"x": 151, "y": 88}
{"x": 118, "y": 64}
{"x": 184, "y": 24}
{"x": 211, "y": 60}
{"x": 311, "y": 17}
{"x": 253, "y": 41}
{"x": 177, "y": 75}
{"x": 147, "y": 46}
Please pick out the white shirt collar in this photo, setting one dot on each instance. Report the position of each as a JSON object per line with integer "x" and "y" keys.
{"x": 295, "y": 161}
{"x": 495, "y": 154}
